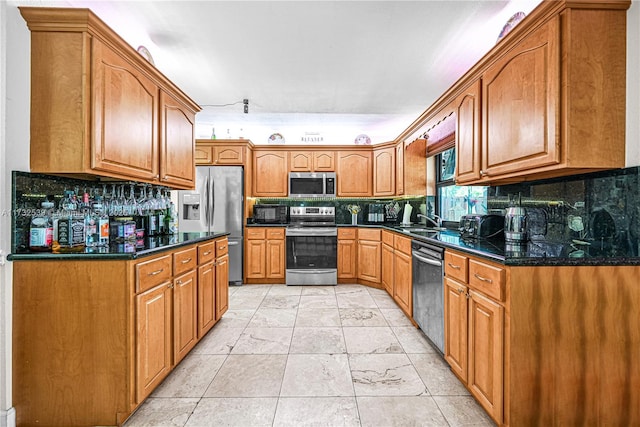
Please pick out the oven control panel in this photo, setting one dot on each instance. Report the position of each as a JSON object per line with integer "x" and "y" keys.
{"x": 322, "y": 211}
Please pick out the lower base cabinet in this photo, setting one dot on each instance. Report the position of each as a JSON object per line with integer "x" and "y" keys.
{"x": 102, "y": 334}
{"x": 264, "y": 260}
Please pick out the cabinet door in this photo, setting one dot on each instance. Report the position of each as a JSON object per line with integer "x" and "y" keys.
{"x": 324, "y": 161}
{"x": 124, "y": 138}
{"x": 206, "y": 298}
{"x": 486, "y": 338}
{"x": 402, "y": 282}
{"x": 455, "y": 327}
{"x": 228, "y": 156}
{"x": 354, "y": 174}
{"x": 185, "y": 319}
{"x": 400, "y": 169}
{"x": 384, "y": 174}
{"x": 177, "y": 143}
{"x": 270, "y": 174}
{"x": 347, "y": 259}
{"x": 153, "y": 338}
{"x": 275, "y": 259}
{"x": 369, "y": 254}
{"x": 203, "y": 155}
{"x": 256, "y": 259}
{"x": 387, "y": 269}
{"x": 301, "y": 161}
{"x": 467, "y": 107}
{"x": 222, "y": 286}
{"x": 520, "y": 105}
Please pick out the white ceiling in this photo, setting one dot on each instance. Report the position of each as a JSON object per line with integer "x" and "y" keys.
{"x": 337, "y": 68}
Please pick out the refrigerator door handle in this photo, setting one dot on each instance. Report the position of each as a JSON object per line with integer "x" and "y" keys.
{"x": 212, "y": 204}
{"x": 233, "y": 243}
{"x": 206, "y": 201}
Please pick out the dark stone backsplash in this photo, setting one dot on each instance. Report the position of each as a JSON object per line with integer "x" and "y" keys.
{"x": 606, "y": 205}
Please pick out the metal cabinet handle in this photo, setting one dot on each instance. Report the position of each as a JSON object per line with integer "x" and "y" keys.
{"x": 185, "y": 261}
{"x": 456, "y": 267}
{"x": 207, "y": 253}
{"x": 170, "y": 286}
{"x": 477, "y": 276}
{"x": 179, "y": 282}
{"x": 460, "y": 291}
{"x": 153, "y": 273}
{"x": 222, "y": 247}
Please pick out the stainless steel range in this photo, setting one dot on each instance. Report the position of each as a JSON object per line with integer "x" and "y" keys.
{"x": 312, "y": 242}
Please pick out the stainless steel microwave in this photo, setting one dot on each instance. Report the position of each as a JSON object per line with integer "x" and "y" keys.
{"x": 311, "y": 184}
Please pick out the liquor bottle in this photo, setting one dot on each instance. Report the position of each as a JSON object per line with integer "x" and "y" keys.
{"x": 68, "y": 228}
{"x": 213, "y": 133}
{"x": 41, "y": 229}
{"x": 171, "y": 219}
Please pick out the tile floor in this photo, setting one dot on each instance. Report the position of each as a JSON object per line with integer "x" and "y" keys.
{"x": 311, "y": 356}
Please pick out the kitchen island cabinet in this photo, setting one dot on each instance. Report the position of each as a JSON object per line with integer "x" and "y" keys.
{"x": 93, "y": 337}
{"x": 98, "y": 109}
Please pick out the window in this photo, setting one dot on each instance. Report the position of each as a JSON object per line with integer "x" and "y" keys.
{"x": 452, "y": 200}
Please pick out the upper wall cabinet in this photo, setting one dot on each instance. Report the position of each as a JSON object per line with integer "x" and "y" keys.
{"x": 312, "y": 161}
{"x": 221, "y": 152}
{"x": 99, "y": 109}
{"x": 354, "y": 173}
{"x": 270, "y": 176}
{"x": 384, "y": 172}
{"x": 467, "y": 109}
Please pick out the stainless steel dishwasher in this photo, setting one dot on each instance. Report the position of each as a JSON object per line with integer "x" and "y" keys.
{"x": 428, "y": 290}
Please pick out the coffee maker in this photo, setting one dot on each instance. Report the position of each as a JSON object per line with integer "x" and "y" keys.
{"x": 375, "y": 213}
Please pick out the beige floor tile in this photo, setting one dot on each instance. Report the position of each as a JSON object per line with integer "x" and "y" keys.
{"x": 191, "y": 377}
{"x": 263, "y": 341}
{"x": 318, "y": 301}
{"x": 318, "y": 317}
{"x": 351, "y": 289}
{"x": 412, "y": 340}
{"x": 317, "y": 340}
{"x": 316, "y": 411}
{"x": 285, "y": 290}
{"x": 437, "y": 375}
{"x": 395, "y": 411}
{"x": 273, "y": 318}
{"x": 162, "y": 412}
{"x": 280, "y": 301}
{"x": 240, "y": 412}
{"x": 362, "y": 317}
{"x": 318, "y": 290}
{"x": 235, "y": 319}
{"x": 309, "y": 375}
{"x": 463, "y": 411}
{"x": 218, "y": 341}
{"x": 385, "y": 375}
{"x": 355, "y": 300}
{"x": 384, "y": 301}
{"x": 249, "y": 376}
{"x": 395, "y": 317}
{"x": 379, "y": 339}
{"x": 245, "y": 301}
{"x": 375, "y": 291}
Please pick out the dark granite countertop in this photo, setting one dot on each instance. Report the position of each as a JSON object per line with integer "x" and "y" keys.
{"x": 124, "y": 251}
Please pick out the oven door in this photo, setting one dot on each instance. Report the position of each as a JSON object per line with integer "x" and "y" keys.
{"x": 312, "y": 256}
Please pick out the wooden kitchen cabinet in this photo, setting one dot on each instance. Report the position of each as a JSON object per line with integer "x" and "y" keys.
{"x": 185, "y": 314}
{"x": 399, "y": 168}
{"x": 475, "y": 327}
{"x": 311, "y": 161}
{"x": 354, "y": 173}
{"x": 99, "y": 109}
{"x": 347, "y": 253}
{"x": 369, "y": 255}
{"x": 220, "y": 152}
{"x": 384, "y": 173}
{"x": 402, "y": 286}
{"x": 387, "y": 273}
{"x": 265, "y": 255}
{"x": 467, "y": 107}
{"x": 222, "y": 285}
{"x": 270, "y": 174}
{"x": 206, "y": 297}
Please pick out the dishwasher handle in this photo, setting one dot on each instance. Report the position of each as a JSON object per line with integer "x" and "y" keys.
{"x": 426, "y": 260}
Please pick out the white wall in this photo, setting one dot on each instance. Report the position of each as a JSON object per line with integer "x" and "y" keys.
{"x": 14, "y": 149}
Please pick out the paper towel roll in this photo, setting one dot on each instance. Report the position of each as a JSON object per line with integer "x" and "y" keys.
{"x": 406, "y": 218}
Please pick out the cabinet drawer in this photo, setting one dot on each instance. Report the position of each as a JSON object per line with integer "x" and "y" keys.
{"x": 369, "y": 234}
{"x": 347, "y": 233}
{"x": 222, "y": 247}
{"x": 185, "y": 260}
{"x": 256, "y": 233}
{"x": 206, "y": 252}
{"x": 402, "y": 244}
{"x": 153, "y": 272}
{"x": 387, "y": 238}
{"x": 204, "y": 154}
{"x": 488, "y": 279}
{"x": 275, "y": 234}
{"x": 455, "y": 266}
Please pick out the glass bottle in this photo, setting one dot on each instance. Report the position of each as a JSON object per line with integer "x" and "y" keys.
{"x": 41, "y": 229}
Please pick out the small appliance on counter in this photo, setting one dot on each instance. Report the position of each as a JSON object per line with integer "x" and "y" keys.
{"x": 478, "y": 226}
{"x": 270, "y": 214}
{"x": 515, "y": 222}
{"x": 375, "y": 213}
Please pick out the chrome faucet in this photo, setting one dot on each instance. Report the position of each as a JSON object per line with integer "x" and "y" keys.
{"x": 437, "y": 222}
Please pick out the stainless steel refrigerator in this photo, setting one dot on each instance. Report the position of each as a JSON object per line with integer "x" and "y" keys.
{"x": 216, "y": 205}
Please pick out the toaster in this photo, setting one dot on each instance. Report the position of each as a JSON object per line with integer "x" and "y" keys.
{"x": 477, "y": 226}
